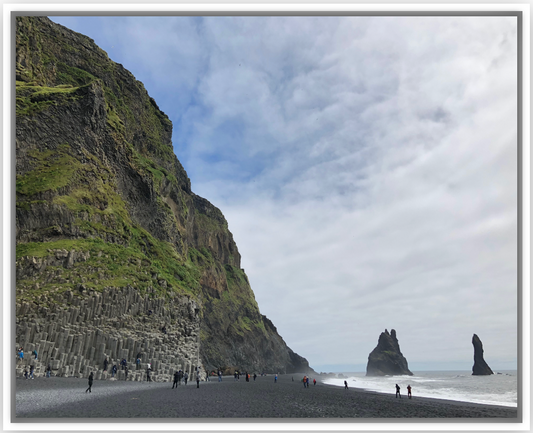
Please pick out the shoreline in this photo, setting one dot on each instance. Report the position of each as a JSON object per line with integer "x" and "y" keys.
{"x": 59, "y": 398}
{"x": 439, "y": 400}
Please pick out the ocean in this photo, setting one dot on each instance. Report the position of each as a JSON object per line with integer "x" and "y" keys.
{"x": 498, "y": 389}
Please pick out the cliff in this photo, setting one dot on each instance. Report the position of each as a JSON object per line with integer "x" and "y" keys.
{"x": 387, "y": 359}
{"x": 480, "y": 368}
{"x": 112, "y": 244}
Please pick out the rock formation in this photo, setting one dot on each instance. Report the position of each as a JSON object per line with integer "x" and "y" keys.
{"x": 480, "y": 367}
{"x": 387, "y": 359}
{"x": 112, "y": 244}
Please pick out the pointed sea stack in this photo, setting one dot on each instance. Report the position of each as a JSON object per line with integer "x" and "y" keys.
{"x": 480, "y": 367}
{"x": 387, "y": 359}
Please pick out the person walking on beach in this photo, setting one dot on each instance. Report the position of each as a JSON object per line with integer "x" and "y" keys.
{"x": 276, "y": 378}
{"x": 398, "y": 391}
{"x": 314, "y": 382}
{"x": 176, "y": 379}
{"x": 148, "y": 369}
{"x": 186, "y": 377}
{"x": 247, "y": 377}
{"x": 409, "y": 391}
{"x": 48, "y": 370}
{"x": 26, "y": 373}
{"x": 126, "y": 373}
{"x": 307, "y": 381}
{"x": 198, "y": 378}
{"x": 255, "y": 376}
{"x": 90, "y": 382}
{"x": 113, "y": 371}
{"x": 345, "y": 385}
{"x": 219, "y": 375}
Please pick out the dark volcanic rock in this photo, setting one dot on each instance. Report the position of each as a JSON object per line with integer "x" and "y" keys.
{"x": 386, "y": 359}
{"x": 480, "y": 367}
{"x": 112, "y": 244}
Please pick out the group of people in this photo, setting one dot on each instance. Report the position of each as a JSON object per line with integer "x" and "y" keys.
{"x": 305, "y": 380}
{"x": 124, "y": 366}
{"x": 20, "y": 354}
{"x": 409, "y": 395}
{"x": 30, "y": 374}
{"x": 180, "y": 376}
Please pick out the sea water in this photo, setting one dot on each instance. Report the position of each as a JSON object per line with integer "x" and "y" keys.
{"x": 497, "y": 389}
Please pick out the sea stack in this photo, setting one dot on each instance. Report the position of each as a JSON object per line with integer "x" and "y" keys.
{"x": 480, "y": 367}
{"x": 387, "y": 359}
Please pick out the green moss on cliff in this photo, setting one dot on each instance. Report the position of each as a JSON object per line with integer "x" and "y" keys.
{"x": 53, "y": 169}
{"x": 112, "y": 265}
{"x": 31, "y": 99}
{"x": 71, "y": 75}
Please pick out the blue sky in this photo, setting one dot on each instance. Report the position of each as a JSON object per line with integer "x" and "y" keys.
{"x": 366, "y": 167}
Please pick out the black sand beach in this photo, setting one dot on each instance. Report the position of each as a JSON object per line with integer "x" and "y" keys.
{"x": 57, "y": 398}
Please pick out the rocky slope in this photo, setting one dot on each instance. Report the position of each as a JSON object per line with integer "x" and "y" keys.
{"x": 480, "y": 368}
{"x": 387, "y": 359}
{"x": 112, "y": 244}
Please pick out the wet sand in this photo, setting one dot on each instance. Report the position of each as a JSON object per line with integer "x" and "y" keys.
{"x": 60, "y": 398}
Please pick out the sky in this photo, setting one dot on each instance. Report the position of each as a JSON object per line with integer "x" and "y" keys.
{"x": 367, "y": 167}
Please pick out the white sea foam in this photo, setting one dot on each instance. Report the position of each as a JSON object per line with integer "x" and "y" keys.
{"x": 497, "y": 389}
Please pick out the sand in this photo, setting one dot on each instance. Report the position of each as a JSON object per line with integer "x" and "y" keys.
{"x": 60, "y": 398}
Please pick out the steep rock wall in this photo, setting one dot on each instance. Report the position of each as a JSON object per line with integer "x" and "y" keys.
{"x": 104, "y": 205}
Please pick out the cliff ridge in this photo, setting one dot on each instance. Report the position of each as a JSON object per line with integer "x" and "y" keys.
{"x": 112, "y": 244}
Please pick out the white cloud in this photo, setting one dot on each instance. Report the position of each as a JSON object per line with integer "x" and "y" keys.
{"x": 366, "y": 167}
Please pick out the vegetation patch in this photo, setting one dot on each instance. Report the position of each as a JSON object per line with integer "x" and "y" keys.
{"x": 71, "y": 75}
{"x": 54, "y": 169}
{"x": 31, "y": 99}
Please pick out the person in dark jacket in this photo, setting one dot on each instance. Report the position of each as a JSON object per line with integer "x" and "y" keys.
{"x": 48, "y": 370}
{"x": 176, "y": 379}
{"x": 113, "y": 371}
{"x": 148, "y": 371}
{"x": 106, "y": 363}
{"x": 91, "y": 377}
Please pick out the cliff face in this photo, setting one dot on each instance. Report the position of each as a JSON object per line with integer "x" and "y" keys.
{"x": 112, "y": 244}
{"x": 387, "y": 359}
{"x": 480, "y": 368}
